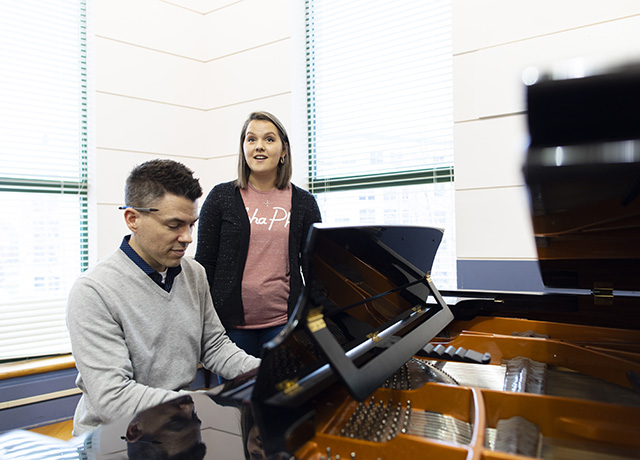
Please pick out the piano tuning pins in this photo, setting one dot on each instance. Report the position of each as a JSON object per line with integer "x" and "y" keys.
{"x": 352, "y": 455}
{"x": 400, "y": 380}
{"x": 415, "y": 373}
{"x": 377, "y": 421}
{"x": 382, "y": 421}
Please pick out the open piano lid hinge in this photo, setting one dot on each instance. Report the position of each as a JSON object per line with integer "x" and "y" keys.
{"x": 315, "y": 320}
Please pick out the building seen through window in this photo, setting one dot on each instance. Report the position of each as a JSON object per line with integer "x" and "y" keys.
{"x": 43, "y": 171}
{"x": 380, "y": 116}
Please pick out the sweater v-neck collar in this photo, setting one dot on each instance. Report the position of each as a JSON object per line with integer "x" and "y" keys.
{"x": 172, "y": 272}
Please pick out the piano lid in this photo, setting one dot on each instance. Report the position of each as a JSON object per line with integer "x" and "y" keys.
{"x": 369, "y": 287}
{"x": 583, "y": 175}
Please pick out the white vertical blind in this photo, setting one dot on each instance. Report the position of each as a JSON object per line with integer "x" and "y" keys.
{"x": 380, "y": 115}
{"x": 43, "y": 158}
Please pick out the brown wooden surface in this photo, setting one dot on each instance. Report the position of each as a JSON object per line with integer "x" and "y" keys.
{"x": 60, "y": 430}
{"x": 35, "y": 366}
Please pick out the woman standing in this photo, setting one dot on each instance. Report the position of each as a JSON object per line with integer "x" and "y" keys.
{"x": 251, "y": 236}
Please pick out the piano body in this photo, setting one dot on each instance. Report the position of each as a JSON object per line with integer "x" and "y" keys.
{"x": 358, "y": 372}
{"x": 376, "y": 363}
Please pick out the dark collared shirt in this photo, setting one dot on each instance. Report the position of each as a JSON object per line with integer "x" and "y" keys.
{"x": 172, "y": 272}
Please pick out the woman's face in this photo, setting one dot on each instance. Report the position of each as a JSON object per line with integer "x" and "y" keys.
{"x": 262, "y": 148}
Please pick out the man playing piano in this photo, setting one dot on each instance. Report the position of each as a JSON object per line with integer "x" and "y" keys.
{"x": 142, "y": 319}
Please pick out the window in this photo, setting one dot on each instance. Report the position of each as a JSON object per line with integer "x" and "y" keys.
{"x": 43, "y": 171}
{"x": 380, "y": 116}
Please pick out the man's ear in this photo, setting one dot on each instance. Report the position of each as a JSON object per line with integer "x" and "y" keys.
{"x": 134, "y": 431}
{"x": 131, "y": 219}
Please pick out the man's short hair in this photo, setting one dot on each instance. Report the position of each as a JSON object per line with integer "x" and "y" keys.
{"x": 148, "y": 451}
{"x": 147, "y": 183}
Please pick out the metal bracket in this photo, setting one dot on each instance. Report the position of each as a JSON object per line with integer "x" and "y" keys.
{"x": 602, "y": 293}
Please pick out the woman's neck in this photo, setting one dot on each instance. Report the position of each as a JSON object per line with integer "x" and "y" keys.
{"x": 263, "y": 184}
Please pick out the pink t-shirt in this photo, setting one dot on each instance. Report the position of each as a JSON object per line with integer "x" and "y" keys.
{"x": 265, "y": 282}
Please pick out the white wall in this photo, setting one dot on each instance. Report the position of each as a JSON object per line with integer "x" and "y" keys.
{"x": 176, "y": 79}
{"x": 494, "y": 41}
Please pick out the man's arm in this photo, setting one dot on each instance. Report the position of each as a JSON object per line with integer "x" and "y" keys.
{"x": 106, "y": 374}
{"x": 219, "y": 354}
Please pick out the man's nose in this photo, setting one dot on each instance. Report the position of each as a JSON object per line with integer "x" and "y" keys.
{"x": 185, "y": 235}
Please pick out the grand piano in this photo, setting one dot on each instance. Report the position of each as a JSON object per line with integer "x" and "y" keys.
{"x": 377, "y": 364}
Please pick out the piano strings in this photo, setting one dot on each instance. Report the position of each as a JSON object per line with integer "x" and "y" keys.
{"x": 380, "y": 420}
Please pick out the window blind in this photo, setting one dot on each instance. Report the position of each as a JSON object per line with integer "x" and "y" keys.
{"x": 380, "y": 115}
{"x": 43, "y": 171}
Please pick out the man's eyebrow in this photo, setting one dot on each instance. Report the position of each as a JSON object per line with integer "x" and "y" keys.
{"x": 178, "y": 220}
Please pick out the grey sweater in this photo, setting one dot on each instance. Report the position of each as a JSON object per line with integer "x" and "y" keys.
{"x": 136, "y": 345}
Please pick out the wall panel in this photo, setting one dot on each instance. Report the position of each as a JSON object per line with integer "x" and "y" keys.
{"x": 244, "y": 25}
{"x": 494, "y": 223}
{"x": 248, "y": 76}
{"x": 209, "y": 6}
{"x": 153, "y": 24}
{"x": 147, "y": 74}
{"x": 217, "y": 170}
{"x": 486, "y": 23}
{"x": 490, "y": 152}
{"x": 502, "y": 67}
{"x": 489, "y": 81}
{"x": 148, "y": 127}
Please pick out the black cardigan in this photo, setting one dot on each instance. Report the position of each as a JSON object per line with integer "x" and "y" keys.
{"x": 223, "y": 243}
